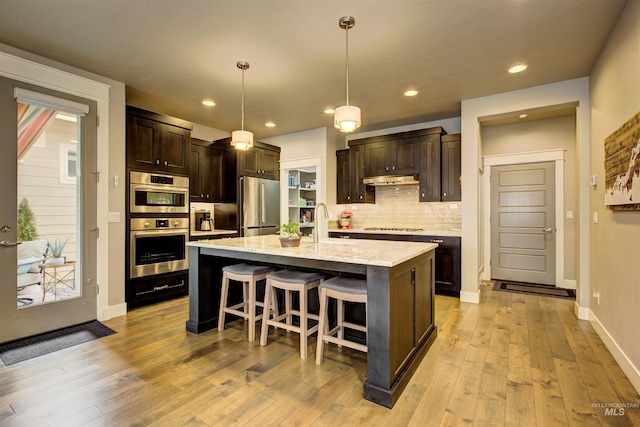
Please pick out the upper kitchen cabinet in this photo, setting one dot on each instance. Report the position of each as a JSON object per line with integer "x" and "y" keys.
{"x": 451, "y": 168}
{"x": 206, "y": 181}
{"x": 343, "y": 181}
{"x": 396, "y": 154}
{"x": 262, "y": 161}
{"x": 430, "y": 166}
{"x": 359, "y": 192}
{"x": 157, "y": 143}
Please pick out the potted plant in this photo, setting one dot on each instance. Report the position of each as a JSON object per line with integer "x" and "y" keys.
{"x": 56, "y": 248}
{"x": 290, "y": 235}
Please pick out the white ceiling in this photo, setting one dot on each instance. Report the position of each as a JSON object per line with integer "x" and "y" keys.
{"x": 172, "y": 54}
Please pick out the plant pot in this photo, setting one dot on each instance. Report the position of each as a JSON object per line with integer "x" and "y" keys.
{"x": 290, "y": 242}
{"x": 58, "y": 260}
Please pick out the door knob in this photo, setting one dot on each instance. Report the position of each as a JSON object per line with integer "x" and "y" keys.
{"x": 549, "y": 230}
{"x": 8, "y": 243}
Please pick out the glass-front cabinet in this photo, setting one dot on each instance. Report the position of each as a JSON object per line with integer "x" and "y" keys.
{"x": 302, "y": 188}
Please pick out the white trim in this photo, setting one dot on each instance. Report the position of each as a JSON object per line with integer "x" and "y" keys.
{"x": 23, "y": 70}
{"x": 556, "y": 156}
{"x": 30, "y": 97}
{"x": 582, "y": 313}
{"x": 627, "y": 366}
{"x": 472, "y": 297}
{"x": 112, "y": 311}
{"x": 307, "y": 162}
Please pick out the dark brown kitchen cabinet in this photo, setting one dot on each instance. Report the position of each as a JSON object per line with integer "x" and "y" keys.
{"x": 343, "y": 181}
{"x": 206, "y": 178}
{"x": 451, "y": 168}
{"x": 261, "y": 160}
{"x": 391, "y": 155}
{"x": 359, "y": 192}
{"x": 430, "y": 184}
{"x": 157, "y": 143}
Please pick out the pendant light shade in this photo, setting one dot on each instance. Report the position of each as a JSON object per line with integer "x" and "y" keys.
{"x": 242, "y": 139}
{"x": 347, "y": 118}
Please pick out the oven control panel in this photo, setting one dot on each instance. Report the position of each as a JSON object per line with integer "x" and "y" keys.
{"x": 159, "y": 223}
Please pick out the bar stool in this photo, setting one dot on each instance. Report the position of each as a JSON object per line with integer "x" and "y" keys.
{"x": 249, "y": 275}
{"x": 290, "y": 281}
{"x": 342, "y": 289}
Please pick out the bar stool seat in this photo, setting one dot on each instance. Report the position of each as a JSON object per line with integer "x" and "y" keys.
{"x": 342, "y": 289}
{"x": 290, "y": 281}
{"x": 249, "y": 275}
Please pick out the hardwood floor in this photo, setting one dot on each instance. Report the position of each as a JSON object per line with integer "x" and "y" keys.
{"x": 510, "y": 360}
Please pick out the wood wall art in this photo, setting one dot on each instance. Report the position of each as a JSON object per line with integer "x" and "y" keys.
{"x": 622, "y": 166}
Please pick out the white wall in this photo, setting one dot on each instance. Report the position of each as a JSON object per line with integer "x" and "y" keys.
{"x": 615, "y": 98}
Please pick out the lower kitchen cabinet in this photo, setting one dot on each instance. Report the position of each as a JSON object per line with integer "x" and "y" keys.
{"x": 448, "y": 260}
{"x": 146, "y": 290}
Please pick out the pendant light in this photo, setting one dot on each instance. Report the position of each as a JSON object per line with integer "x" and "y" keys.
{"x": 347, "y": 117}
{"x": 242, "y": 139}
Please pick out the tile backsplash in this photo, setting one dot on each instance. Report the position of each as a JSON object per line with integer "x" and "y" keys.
{"x": 398, "y": 206}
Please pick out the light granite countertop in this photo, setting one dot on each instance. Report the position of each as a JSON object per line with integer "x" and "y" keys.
{"x": 354, "y": 251}
{"x": 215, "y": 232}
{"x": 423, "y": 232}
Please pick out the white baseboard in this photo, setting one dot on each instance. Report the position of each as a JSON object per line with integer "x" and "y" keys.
{"x": 113, "y": 311}
{"x": 582, "y": 313}
{"x": 626, "y": 365}
{"x": 473, "y": 297}
{"x": 569, "y": 284}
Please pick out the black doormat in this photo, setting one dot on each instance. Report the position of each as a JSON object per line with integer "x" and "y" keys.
{"x": 532, "y": 289}
{"x": 38, "y": 345}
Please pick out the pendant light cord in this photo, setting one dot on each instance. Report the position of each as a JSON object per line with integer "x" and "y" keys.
{"x": 242, "y": 127}
{"x": 347, "y": 61}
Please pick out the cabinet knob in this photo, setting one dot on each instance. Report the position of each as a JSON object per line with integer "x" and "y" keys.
{"x": 444, "y": 194}
{"x": 393, "y": 168}
{"x": 360, "y": 197}
{"x": 158, "y": 162}
{"x": 422, "y": 194}
{"x": 348, "y": 197}
{"x": 386, "y": 168}
{"x": 207, "y": 196}
{"x": 166, "y": 163}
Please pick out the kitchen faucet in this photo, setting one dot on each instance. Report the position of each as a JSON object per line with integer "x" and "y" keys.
{"x": 315, "y": 217}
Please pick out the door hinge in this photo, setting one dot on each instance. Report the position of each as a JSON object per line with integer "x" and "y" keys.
{"x": 97, "y": 230}
{"x": 97, "y": 174}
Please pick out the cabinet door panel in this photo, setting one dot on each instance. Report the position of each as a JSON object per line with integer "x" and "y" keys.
{"x": 343, "y": 195}
{"x": 376, "y": 158}
{"x": 195, "y": 175}
{"x": 214, "y": 176}
{"x": 249, "y": 163}
{"x": 406, "y": 156}
{"x": 451, "y": 170}
{"x": 402, "y": 328}
{"x": 360, "y": 193}
{"x": 430, "y": 169}
{"x": 424, "y": 298}
{"x": 143, "y": 138}
{"x": 269, "y": 164}
{"x": 175, "y": 145}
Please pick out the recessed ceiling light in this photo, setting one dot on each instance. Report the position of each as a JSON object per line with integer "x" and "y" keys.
{"x": 208, "y": 103}
{"x": 270, "y": 124}
{"x": 523, "y": 116}
{"x": 329, "y": 111}
{"x": 518, "y": 68}
{"x": 411, "y": 92}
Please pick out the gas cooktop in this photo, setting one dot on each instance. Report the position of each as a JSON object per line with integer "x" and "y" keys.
{"x": 392, "y": 229}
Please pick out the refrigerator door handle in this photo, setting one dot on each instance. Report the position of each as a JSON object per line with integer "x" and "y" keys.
{"x": 263, "y": 218}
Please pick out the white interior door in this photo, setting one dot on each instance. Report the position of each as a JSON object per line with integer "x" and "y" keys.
{"x": 47, "y": 159}
{"x": 523, "y": 223}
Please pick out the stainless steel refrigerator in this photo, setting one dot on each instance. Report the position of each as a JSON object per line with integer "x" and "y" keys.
{"x": 259, "y": 206}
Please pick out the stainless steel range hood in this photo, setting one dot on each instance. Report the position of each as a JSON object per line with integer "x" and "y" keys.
{"x": 391, "y": 180}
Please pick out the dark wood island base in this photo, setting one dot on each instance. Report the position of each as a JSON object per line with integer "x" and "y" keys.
{"x": 400, "y": 296}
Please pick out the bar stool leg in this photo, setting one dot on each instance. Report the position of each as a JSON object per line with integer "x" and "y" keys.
{"x": 251, "y": 309}
{"x": 304, "y": 334}
{"x": 269, "y": 292}
{"x": 323, "y": 326}
{"x": 223, "y": 300}
{"x": 340, "y": 320}
{"x": 287, "y": 306}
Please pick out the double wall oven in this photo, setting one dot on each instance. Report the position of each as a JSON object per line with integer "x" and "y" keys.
{"x": 158, "y": 218}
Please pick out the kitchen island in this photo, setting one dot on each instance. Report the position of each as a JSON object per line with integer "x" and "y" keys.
{"x": 400, "y": 294}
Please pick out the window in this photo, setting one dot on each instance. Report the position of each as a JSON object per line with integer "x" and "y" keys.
{"x": 68, "y": 163}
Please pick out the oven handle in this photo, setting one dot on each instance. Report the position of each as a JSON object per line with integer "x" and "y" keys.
{"x": 170, "y": 232}
{"x": 159, "y": 187}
